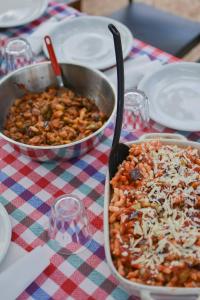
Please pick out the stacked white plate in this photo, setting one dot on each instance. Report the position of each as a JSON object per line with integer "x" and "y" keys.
{"x": 87, "y": 40}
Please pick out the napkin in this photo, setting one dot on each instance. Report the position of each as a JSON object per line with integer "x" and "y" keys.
{"x": 134, "y": 70}
{"x": 20, "y": 274}
{"x": 14, "y": 253}
{"x": 35, "y": 39}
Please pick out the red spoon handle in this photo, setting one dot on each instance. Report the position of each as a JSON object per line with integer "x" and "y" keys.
{"x": 52, "y": 55}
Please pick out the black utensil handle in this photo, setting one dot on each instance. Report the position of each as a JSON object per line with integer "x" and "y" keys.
{"x": 120, "y": 83}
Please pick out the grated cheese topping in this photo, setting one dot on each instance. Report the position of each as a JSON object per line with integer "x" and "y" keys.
{"x": 170, "y": 222}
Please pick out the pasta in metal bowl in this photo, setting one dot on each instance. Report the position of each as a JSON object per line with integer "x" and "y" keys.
{"x": 52, "y": 117}
{"x": 64, "y": 130}
{"x": 154, "y": 215}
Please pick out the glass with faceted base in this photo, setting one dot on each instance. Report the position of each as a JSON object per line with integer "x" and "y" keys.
{"x": 68, "y": 225}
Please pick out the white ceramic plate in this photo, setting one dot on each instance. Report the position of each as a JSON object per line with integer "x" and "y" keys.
{"x": 174, "y": 95}
{"x": 87, "y": 40}
{"x": 5, "y": 232}
{"x": 19, "y": 12}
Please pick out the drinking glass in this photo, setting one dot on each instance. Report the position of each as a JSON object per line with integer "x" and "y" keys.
{"x": 18, "y": 53}
{"x": 68, "y": 225}
{"x": 136, "y": 110}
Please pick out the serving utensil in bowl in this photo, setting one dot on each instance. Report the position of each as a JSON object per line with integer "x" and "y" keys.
{"x": 85, "y": 81}
{"x": 119, "y": 151}
{"x": 135, "y": 101}
{"x": 54, "y": 61}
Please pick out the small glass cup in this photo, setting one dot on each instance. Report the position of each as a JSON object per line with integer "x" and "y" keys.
{"x": 136, "y": 110}
{"x": 18, "y": 53}
{"x": 68, "y": 225}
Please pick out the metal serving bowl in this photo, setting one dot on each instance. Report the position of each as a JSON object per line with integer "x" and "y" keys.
{"x": 85, "y": 81}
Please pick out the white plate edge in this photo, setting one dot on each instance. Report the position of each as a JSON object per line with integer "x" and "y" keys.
{"x": 44, "y": 5}
{"x": 8, "y": 226}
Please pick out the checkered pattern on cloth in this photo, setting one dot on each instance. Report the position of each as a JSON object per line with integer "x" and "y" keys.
{"x": 29, "y": 188}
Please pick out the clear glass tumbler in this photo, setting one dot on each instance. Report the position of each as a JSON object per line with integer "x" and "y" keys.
{"x": 68, "y": 225}
{"x": 18, "y": 53}
{"x": 136, "y": 110}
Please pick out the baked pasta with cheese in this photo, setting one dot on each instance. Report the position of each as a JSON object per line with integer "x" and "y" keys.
{"x": 154, "y": 215}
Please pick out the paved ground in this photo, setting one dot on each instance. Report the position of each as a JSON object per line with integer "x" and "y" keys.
{"x": 187, "y": 8}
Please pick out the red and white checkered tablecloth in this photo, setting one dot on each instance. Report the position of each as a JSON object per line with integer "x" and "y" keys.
{"x": 28, "y": 189}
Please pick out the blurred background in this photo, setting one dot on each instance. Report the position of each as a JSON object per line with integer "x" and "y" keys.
{"x": 187, "y": 8}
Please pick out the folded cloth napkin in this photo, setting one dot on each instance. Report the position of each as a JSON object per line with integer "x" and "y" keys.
{"x": 14, "y": 253}
{"x": 134, "y": 70}
{"x": 35, "y": 39}
{"x": 16, "y": 276}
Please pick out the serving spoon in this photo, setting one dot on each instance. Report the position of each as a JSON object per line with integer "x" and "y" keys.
{"x": 119, "y": 151}
{"x": 54, "y": 62}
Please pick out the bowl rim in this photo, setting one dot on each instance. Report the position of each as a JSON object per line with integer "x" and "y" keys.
{"x": 49, "y": 147}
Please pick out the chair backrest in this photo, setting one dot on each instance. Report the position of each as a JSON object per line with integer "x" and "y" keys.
{"x": 170, "y": 33}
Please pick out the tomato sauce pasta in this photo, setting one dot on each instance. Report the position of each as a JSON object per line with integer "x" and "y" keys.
{"x": 154, "y": 215}
{"x": 52, "y": 117}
